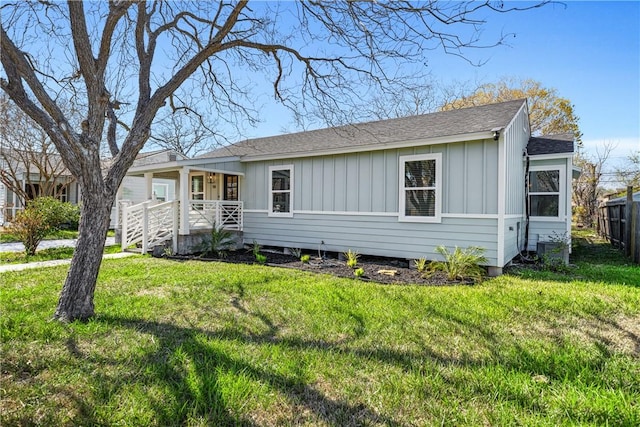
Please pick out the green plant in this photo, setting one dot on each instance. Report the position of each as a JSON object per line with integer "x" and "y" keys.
{"x": 352, "y": 258}
{"x": 358, "y": 272}
{"x": 262, "y": 259}
{"x": 41, "y": 216}
{"x": 420, "y": 264}
{"x": 255, "y": 248}
{"x": 219, "y": 242}
{"x": 296, "y": 252}
{"x": 305, "y": 258}
{"x": 461, "y": 264}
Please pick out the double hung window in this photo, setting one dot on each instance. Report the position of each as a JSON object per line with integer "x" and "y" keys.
{"x": 420, "y": 188}
{"x": 281, "y": 190}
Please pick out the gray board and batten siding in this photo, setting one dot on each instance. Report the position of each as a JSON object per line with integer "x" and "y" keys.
{"x": 345, "y": 186}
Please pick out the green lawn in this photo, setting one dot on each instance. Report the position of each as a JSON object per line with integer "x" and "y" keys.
{"x": 190, "y": 343}
{"x": 7, "y": 237}
{"x": 46, "y": 255}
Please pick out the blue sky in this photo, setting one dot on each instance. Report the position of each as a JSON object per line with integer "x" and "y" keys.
{"x": 588, "y": 51}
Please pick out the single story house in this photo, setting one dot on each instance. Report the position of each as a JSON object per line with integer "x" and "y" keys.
{"x": 396, "y": 188}
{"x": 133, "y": 189}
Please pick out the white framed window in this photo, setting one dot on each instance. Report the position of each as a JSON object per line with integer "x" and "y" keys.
{"x": 281, "y": 190}
{"x": 420, "y": 188}
{"x": 197, "y": 190}
{"x": 546, "y": 198}
{"x": 161, "y": 192}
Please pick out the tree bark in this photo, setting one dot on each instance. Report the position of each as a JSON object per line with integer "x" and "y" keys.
{"x": 76, "y": 298}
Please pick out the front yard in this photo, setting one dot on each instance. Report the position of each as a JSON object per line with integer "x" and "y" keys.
{"x": 191, "y": 343}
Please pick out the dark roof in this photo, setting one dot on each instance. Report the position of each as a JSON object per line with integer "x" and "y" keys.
{"x": 441, "y": 124}
{"x": 550, "y": 144}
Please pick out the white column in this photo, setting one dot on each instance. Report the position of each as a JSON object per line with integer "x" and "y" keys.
{"x": 184, "y": 201}
{"x": 148, "y": 177}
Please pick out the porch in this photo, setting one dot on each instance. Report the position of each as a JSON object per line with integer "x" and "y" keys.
{"x": 183, "y": 213}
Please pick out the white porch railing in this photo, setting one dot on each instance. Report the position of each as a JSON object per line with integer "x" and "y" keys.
{"x": 222, "y": 213}
{"x": 150, "y": 223}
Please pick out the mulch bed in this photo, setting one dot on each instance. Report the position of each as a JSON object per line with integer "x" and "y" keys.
{"x": 376, "y": 269}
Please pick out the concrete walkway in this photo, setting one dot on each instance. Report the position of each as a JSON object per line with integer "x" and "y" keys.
{"x": 53, "y": 263}
{"x": 48, "y": 244}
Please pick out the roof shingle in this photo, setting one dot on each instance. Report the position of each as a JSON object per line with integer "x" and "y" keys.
{"x": 440, "y": 124}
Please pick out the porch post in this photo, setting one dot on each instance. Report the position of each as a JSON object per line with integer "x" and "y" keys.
{"x": 174, "y": 232}
{"x": 148, "y": 177}
{"x": 184, "y": 201}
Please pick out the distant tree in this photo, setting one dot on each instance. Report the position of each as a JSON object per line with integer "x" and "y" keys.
{"x": 587, "y": 188}
{"x": 30, "y": 163}
{"x": 548, "y": 113}
{"x": 124, "y": 62}
{"x": 629, "y": 172}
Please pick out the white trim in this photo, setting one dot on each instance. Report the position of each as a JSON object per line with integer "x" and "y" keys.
{"x": 562, "y": 190}
{"x": 402, "y": 217}
{"x": 386, "y": 214}
{"x": 477, "y": 136}
{"x": 478, "y": 216}
{"x": 502, "y": 196}
{"x": 290, "y": 190}
{"x": 551, "y": 156}
{"x": 174, "y": 167}
{"x": 166, "y": 190}
{"x": 348, "y": 213}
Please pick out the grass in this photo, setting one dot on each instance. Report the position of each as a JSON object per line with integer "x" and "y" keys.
{"x": 47, "y": 255}
{"x": 190, "y": 343}
{"x": 7, "y": 237}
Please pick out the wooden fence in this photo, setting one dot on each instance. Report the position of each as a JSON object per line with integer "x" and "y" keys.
{"x": 619, "y": 222}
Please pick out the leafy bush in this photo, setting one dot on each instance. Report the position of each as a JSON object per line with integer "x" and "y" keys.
{"x": 305, "y": 258}
{"x": 461, "y": 264}
{"x": 220, "y": 241}
{"x": 255, "y": 248}
{"x": 421, "y": 264}
{"x": 352, "y": 258}
{"x": 40, "y": 217}
{"x": 56, "y": 213}
{"x": 358, "y": 272}
{"x": 262, "y": 259}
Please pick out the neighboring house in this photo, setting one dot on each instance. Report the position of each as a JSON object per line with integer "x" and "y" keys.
{"x": 133, "y": 190}
{"x": 395, "y": 188}
{"x": 30, "y": 175}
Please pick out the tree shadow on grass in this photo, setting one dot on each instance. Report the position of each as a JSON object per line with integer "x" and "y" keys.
{"x": 189, "y": 365}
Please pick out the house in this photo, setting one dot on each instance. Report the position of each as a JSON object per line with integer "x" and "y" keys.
{"x": 42, "y": 175}
{"x": 27, "y": 174}
{"x": 396, "y": 188}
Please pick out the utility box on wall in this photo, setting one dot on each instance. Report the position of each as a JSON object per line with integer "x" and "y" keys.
{"x": 553, "y": 251}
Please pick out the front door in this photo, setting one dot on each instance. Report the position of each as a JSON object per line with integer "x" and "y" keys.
{"x": 231, "y": 187}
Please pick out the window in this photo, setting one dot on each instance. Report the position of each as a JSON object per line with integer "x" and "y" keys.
{"x": 161, "y": 192}
{"x": 544, "y": 193}
{"x": 61, "y": 192}
{"x": 231, "y": 187}
{"x": 420, "y": 188}
{"x": 280, "y": 190}
{"x": 197, "y": 190}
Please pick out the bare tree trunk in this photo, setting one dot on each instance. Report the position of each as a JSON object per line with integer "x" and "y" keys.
{"x": 76, "y": 298}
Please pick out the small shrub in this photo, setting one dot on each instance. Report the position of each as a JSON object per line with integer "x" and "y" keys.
{"x": 296, "y": 252}
{"x": 358, "y": 272}
{"x": 421, "y": 264}
{"x": 219, "y": 242}
{"x": 255, "y": 248}
{"x": 305, "y": 258}
{"x": 352, "y": 258}
{"x": 40, "y": 217}
{"x": 261, "y": 259}
{"x": 461, "y": 264}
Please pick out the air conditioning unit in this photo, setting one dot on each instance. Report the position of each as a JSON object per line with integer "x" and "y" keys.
{"x": 553, "y": 251}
